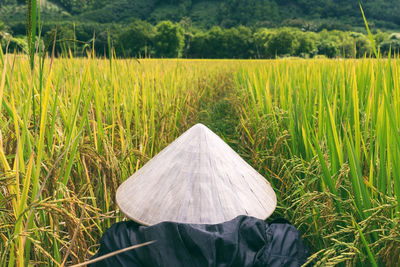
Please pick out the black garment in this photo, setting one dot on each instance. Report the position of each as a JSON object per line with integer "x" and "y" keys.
{"x": 243, "y": 241}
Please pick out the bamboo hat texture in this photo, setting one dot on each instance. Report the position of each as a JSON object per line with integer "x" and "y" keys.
{"x": 197, "y": 179}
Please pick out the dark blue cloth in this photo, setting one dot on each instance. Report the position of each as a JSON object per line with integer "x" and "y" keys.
{"x": 243, "y": 241}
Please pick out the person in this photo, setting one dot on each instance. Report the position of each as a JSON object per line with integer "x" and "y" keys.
{"x": 202, "y": 205}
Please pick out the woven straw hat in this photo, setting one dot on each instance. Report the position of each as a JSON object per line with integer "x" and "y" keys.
{"x": 198, "y": 178}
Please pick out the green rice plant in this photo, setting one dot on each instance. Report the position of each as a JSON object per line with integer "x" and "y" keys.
{"x": 343, "y": 113}
{"x": 95, "y": 130}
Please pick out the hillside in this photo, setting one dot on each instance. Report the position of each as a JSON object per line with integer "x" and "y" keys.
{"x": 310, "y": 14}
{"x": 207, "y": 29}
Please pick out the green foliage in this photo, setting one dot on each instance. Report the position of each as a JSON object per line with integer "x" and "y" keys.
{"x": 238, "y": 12}
{"x": 281, "y": 43}
{"x": 65, "y": 39}
{"x": 136, "y": 40}
{"x": 223, "y": 43}
{"x": 119, "y": 11}
{"x": 261, "y": 37}
{"x": 14, "y": 43}
{"x": 391, "y": 45}
{"x": 347, "y": 47}
{"x": 168, "y": 40}
{"x": 239, "y": 43}
{"x": 73, "y": 6}
{"x": 214, "y": 43}
{"x": 306, "y": 14}
{"x": 195, "y": 45}
{"x": 363, "y": 46}
{"x": 14, "y": 14}
{"x": 306, "y": 44}
{"x": 167, "y": 12}
{"x": 328, "y": 48}
{"x": 8, "y": 2}
{"x": 204, "y": 14}
{"x": 7, "y": 41}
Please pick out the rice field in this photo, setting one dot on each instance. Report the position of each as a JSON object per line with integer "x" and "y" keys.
{"x": 325, "y": 133}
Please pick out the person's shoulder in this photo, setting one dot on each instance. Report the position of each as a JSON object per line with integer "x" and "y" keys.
{"x": 286, "y": 245}
{"x": 120, "y": 229}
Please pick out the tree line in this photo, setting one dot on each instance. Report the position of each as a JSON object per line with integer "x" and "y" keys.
{"x": 167, "y": 39}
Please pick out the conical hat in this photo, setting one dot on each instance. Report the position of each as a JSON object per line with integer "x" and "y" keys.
{"x": 198, "y": 178}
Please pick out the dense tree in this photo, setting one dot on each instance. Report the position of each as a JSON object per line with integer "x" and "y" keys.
{"x": 380, "y": 37}
{"x": 119, "y": 11}
{"x": 136, "y": 40}
{"x": 306, "y": 44}
{"x": 8, "y": 2}
{"x": 261, "y": 37}
{"x": 215, "y": 44}
{"x": 391, "y": 45}
{"x": 236, "y": 12}
{"x": 239, "y": 43}
{"x": 328, "y": 48}
{"x": 65, "y": 39}
{"x": 73, "y": 6}
{"x": 168, "y": 39}
{"x": 196, "y": 46}
{"x": 280, "y": 43}
{"x": 363, "y": 45}
{"x": 307, "y": 14}
{"x": 236, "y": 42}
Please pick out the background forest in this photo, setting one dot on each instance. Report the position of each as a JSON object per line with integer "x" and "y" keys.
{"x": 209, "y": 29}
